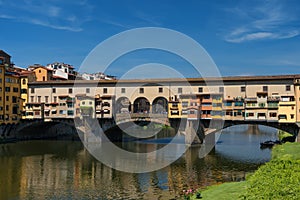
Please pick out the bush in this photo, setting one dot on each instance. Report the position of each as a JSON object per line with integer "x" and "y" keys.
{"x": 279, "y": 178}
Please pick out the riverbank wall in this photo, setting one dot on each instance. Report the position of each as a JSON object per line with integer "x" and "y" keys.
{"x": 19, "y": 132}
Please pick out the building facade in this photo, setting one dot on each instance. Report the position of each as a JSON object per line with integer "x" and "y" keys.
{"x": 10, "y": 98}
{"x": 262, "y": 98}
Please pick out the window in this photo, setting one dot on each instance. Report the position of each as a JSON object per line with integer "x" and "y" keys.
{"x": 221, "y": 89}
{"x": 14, "y": 99}
{"x": 0, "y": 80}
{"x": 228, "y": 104}
{"x": 123, "y": 90}
{"x": 70, "y": 90}
{"x": 176, "y": 105}
{"x": 7, "y": 107}
{"x": 55, "y": 99}
{"x": 46, "y": 99}
{"x": 90, "y": 103}
{"x": 40, "y": 71}
{"x": 104, "y": 90}
{"x": 141, "y": 90}
{"x": 15, "y": 89}
{"x": 70, "y": 105}
{"x": 53, "y": 90}
{"x": 24, "y": 81}
{"x": 179, "y": 90}
{"x": 292, "y": 116}
{"x": 200, "y": 89}
{"x": 185, "y": 104}
{"x": 7, "y": 98}
{"x": 23, "y": 91}
{"x": 87, "y": 90}
{"x": 238, "y": 103}
{"x": 1, "y": 108}
{"x": 44, "y": 78}
{"x": 287, "y": 88}
{"x": 265, "y": 88}
{"x": 243, "y": 88}
{"x": 39, "y": 99}
{"x": 15, "y": 110}
{"x": 31, "y": 99}
{"x": 160, "y": 90}
{"x": 251, "y": 114}
{"x": 83, "y": 103}
{"x": 192, "y": 112}
{"x": 70, "y": 112}
{"x": 62, "y": 112}
{"x": 7, "y": 89}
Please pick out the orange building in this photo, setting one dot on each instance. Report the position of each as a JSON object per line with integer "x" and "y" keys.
{"x": 42, "y": 73}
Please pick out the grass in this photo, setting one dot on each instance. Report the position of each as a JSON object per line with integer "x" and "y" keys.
{"x": 287, "y": 151}
{"x": 224, "y": 191}
{"x": 277, "y": 179}
{"x": 283, "y": 134}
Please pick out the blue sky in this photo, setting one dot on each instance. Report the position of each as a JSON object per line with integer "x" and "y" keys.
{"x": 242, "y": 37}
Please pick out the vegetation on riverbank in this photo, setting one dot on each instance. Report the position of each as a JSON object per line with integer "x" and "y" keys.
{"x": 277, "y": 179}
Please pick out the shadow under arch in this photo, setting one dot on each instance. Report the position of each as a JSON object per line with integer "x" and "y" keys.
{"x": 160, "y": 105}
{"x": 123, "y": 105}
{"x": 141, "y": 105}
{"x": 56, "y": 129}
{"x": 291, "y": 128}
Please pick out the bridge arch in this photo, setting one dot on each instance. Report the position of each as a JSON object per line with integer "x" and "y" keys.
{"x": 123, "y": 105}
{"x": 291, "y": 128}
{"x": 160, "y": 105}
{"x": 141, "y": 105}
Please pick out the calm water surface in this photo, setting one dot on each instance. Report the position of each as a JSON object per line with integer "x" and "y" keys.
{"x": 65, "y": 170}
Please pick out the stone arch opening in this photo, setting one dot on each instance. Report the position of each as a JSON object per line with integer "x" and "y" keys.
{"x": 141, "y": 105}
{"x": 160, "y": 105}
{"x": 123, "y": 105}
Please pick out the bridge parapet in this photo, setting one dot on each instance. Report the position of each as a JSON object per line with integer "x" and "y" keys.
{"x": 150, "y": 117}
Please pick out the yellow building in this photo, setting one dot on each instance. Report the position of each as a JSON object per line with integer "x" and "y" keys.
{"x": 287, "y": 110}
{"x": 26, "y": 77}
{"x": 174, "y": 108}
{"x": 297, "y": 97}
{"x": 10, "y": 91}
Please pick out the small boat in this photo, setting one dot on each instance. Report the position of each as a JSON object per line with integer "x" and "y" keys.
{"x": 269, "y": 144}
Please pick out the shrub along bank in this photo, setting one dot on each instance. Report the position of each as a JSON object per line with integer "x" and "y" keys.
{"x": 277, "y": 179}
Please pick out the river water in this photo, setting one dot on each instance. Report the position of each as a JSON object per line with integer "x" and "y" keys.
{"x": 65, "y": 170}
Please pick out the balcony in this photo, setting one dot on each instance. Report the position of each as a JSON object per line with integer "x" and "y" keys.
{"x": 276, "y": 99}
{"x": 106, "y": 104}
{"x": 205, "y": 116}
{"x": 252, "y": 99}
{"x": 287, "y": 103}
{"x": 272, "y": 105}
{"x": 207, "y": 100}
{"x": 217, "y": 101}
{"x": 206, "y": 107}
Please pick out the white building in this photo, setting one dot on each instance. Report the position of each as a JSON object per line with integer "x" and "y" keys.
{"x": 62, "y": 71}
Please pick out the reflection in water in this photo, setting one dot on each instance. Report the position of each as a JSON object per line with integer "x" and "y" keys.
{"x": 65, "y": 170}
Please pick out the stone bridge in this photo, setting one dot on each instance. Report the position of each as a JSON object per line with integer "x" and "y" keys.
{"x": 195, "y": 130}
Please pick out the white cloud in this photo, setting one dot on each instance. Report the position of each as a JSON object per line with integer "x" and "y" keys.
{"x": 261, "y": 36}
{"x": 54, "y": 11}
{"x": 61, "y": 15}
{"x": 266, "y": 21}
{"x": 46, "y": 24}
{"x": 4, "y": 16}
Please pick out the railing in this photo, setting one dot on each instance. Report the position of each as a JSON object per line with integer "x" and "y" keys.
{"x": 140, "y": 117}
